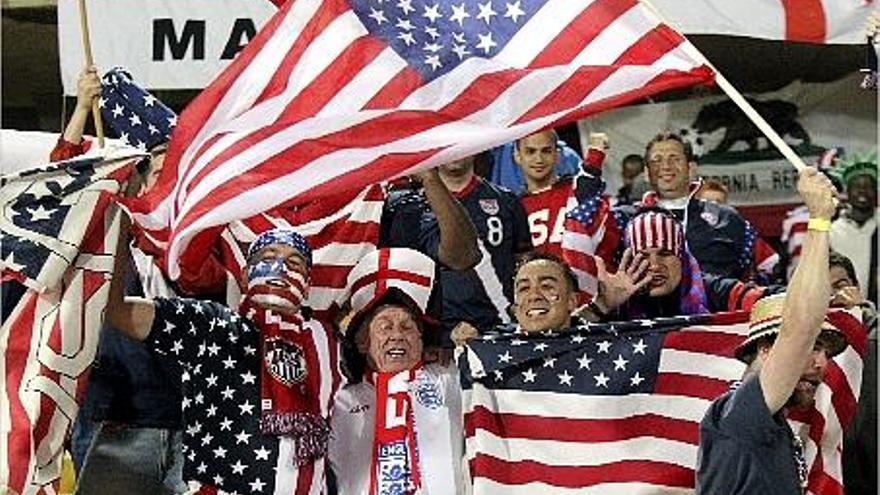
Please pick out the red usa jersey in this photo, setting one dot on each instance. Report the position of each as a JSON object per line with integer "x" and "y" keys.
{"x": 546, "y": 211}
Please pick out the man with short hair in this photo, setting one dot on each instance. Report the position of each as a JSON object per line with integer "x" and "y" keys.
{"x": 547, "y": 198}
{"x": 746, "y": 445}
{"x": 261, "y": 380}
{"x": 397, "y": 426}
{"x": 632, "y": 169}
{"x": 723, "y": 242}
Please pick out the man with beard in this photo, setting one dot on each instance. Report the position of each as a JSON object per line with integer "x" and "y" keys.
{"x": 854, "y": 233}
{"x": 397, "y": 427}
{"x": 746, "y": 445}
{"x": 260, "y": 381}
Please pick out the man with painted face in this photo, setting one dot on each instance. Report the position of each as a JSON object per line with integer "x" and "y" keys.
{"x": 746, "y": 446}
{"x": 259, "y": 381}
{"x": 397, "y": 427}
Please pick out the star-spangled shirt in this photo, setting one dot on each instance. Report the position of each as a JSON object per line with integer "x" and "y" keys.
{"x": 437, "y": 36}
{"x": 222, "y": 444}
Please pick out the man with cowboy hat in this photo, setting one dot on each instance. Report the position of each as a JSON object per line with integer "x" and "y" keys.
{"x": 397, "y": 427}
{"x": 746, "y": 445}
{"x": 259, "y": 381}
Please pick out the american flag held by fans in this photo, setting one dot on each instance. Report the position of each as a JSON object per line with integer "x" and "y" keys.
{"x": 333, "y": 95}
{"x": 615, "y": 408}
{"x": 59, "y": 232}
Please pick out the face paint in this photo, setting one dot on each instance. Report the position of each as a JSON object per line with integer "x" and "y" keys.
{"x": 272, "y": 283}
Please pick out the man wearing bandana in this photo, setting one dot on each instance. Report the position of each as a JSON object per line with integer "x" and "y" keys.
{"x": 259, "y": 381}
{"x": 397, "y": 427}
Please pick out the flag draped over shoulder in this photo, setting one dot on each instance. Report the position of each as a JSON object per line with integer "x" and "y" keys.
{"x": 58, "y": 233}
{"x": 333, "y": 95}
{"x": 615, "y": 408}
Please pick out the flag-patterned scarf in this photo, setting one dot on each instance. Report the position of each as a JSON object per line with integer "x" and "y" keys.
{"x": 395, "y": 465}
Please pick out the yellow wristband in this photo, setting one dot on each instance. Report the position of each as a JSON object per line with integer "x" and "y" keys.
{"x": 819, "y": 224}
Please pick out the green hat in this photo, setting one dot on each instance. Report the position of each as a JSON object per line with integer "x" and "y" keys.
{"x": 861, "y": 165}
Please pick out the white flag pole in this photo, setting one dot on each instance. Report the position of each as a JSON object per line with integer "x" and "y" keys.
{"x": 737, "y": 98}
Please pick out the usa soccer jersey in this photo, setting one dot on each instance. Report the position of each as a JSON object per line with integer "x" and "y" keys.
{"x": 479, "y": 296}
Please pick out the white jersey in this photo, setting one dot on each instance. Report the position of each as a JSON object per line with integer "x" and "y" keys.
{"x": 436, "y": 398}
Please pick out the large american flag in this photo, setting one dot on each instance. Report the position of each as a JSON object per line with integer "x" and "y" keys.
{"x": 615, "y": 408}
{"x": 58, "y": 234}
{"x": 333, "y": 95}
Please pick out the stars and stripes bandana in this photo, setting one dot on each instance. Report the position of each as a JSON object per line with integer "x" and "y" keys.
{"x": 395, "y": 465}
{"x": 139, "y": 118}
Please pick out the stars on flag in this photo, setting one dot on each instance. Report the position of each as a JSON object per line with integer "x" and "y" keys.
{"x": 436, "y": 36}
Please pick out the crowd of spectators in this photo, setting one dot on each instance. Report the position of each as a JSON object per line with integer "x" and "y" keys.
{"x": 260, "y": 398}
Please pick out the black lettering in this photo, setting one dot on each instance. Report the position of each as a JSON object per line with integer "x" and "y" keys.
{"x": 753, "y": 184}
{"x": 777, "y": 180}
{"x": 243, "y": 28}
{"x": 193, "y": 34}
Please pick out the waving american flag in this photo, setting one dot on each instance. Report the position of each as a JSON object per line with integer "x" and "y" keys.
{"x": 332, "y": 95}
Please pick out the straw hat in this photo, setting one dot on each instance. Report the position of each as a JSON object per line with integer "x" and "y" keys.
{"x": 764, "y": 321}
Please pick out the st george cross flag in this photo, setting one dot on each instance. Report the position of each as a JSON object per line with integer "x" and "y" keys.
{"x": 332, "y": 95}
{"x": 58, "y": 233}
{"x": 615, "y": 408}
{"x": 340, "y": 231}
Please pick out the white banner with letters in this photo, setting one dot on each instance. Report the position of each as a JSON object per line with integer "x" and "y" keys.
{"x": 165, "y": 44}
{"x": 184, "y": 44}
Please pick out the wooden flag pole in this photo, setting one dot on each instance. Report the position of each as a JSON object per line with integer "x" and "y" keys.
{"x": 739, "y": 99}
{"x": 90, "y": 61}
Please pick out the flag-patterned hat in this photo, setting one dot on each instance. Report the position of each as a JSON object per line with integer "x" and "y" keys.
{"x": 655, "y": 229}
{"x": 391, "y": 275}
{"x": 764, "y": 321}
{"x": 138, "y": 117}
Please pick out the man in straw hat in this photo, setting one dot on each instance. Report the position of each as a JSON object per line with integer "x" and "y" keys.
{"x": 260, "y": 381}
{"x": 397, "y": 427}
{"x": 746, "y": 446}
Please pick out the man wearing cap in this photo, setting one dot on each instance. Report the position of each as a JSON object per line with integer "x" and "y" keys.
{"x": 746, "y": 445}
{"x": 259, "y": 381}
{"x": 854, "y": 233}
{"x": 397, "y": 427}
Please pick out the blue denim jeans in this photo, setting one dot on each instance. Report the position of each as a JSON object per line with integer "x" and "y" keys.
{"x": 124, "y": 460}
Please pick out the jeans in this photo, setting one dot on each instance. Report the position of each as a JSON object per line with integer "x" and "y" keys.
{"x": 124, "y": 460}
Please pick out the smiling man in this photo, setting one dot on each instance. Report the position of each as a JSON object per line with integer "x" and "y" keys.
{"x": 721, "y": 240}
{"x": 397, "y": 427}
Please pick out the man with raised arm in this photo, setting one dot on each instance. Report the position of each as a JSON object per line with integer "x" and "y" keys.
{"x": 746, "y": 445}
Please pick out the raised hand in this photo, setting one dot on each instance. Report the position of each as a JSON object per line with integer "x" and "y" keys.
{"x": 616, "y": 288}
